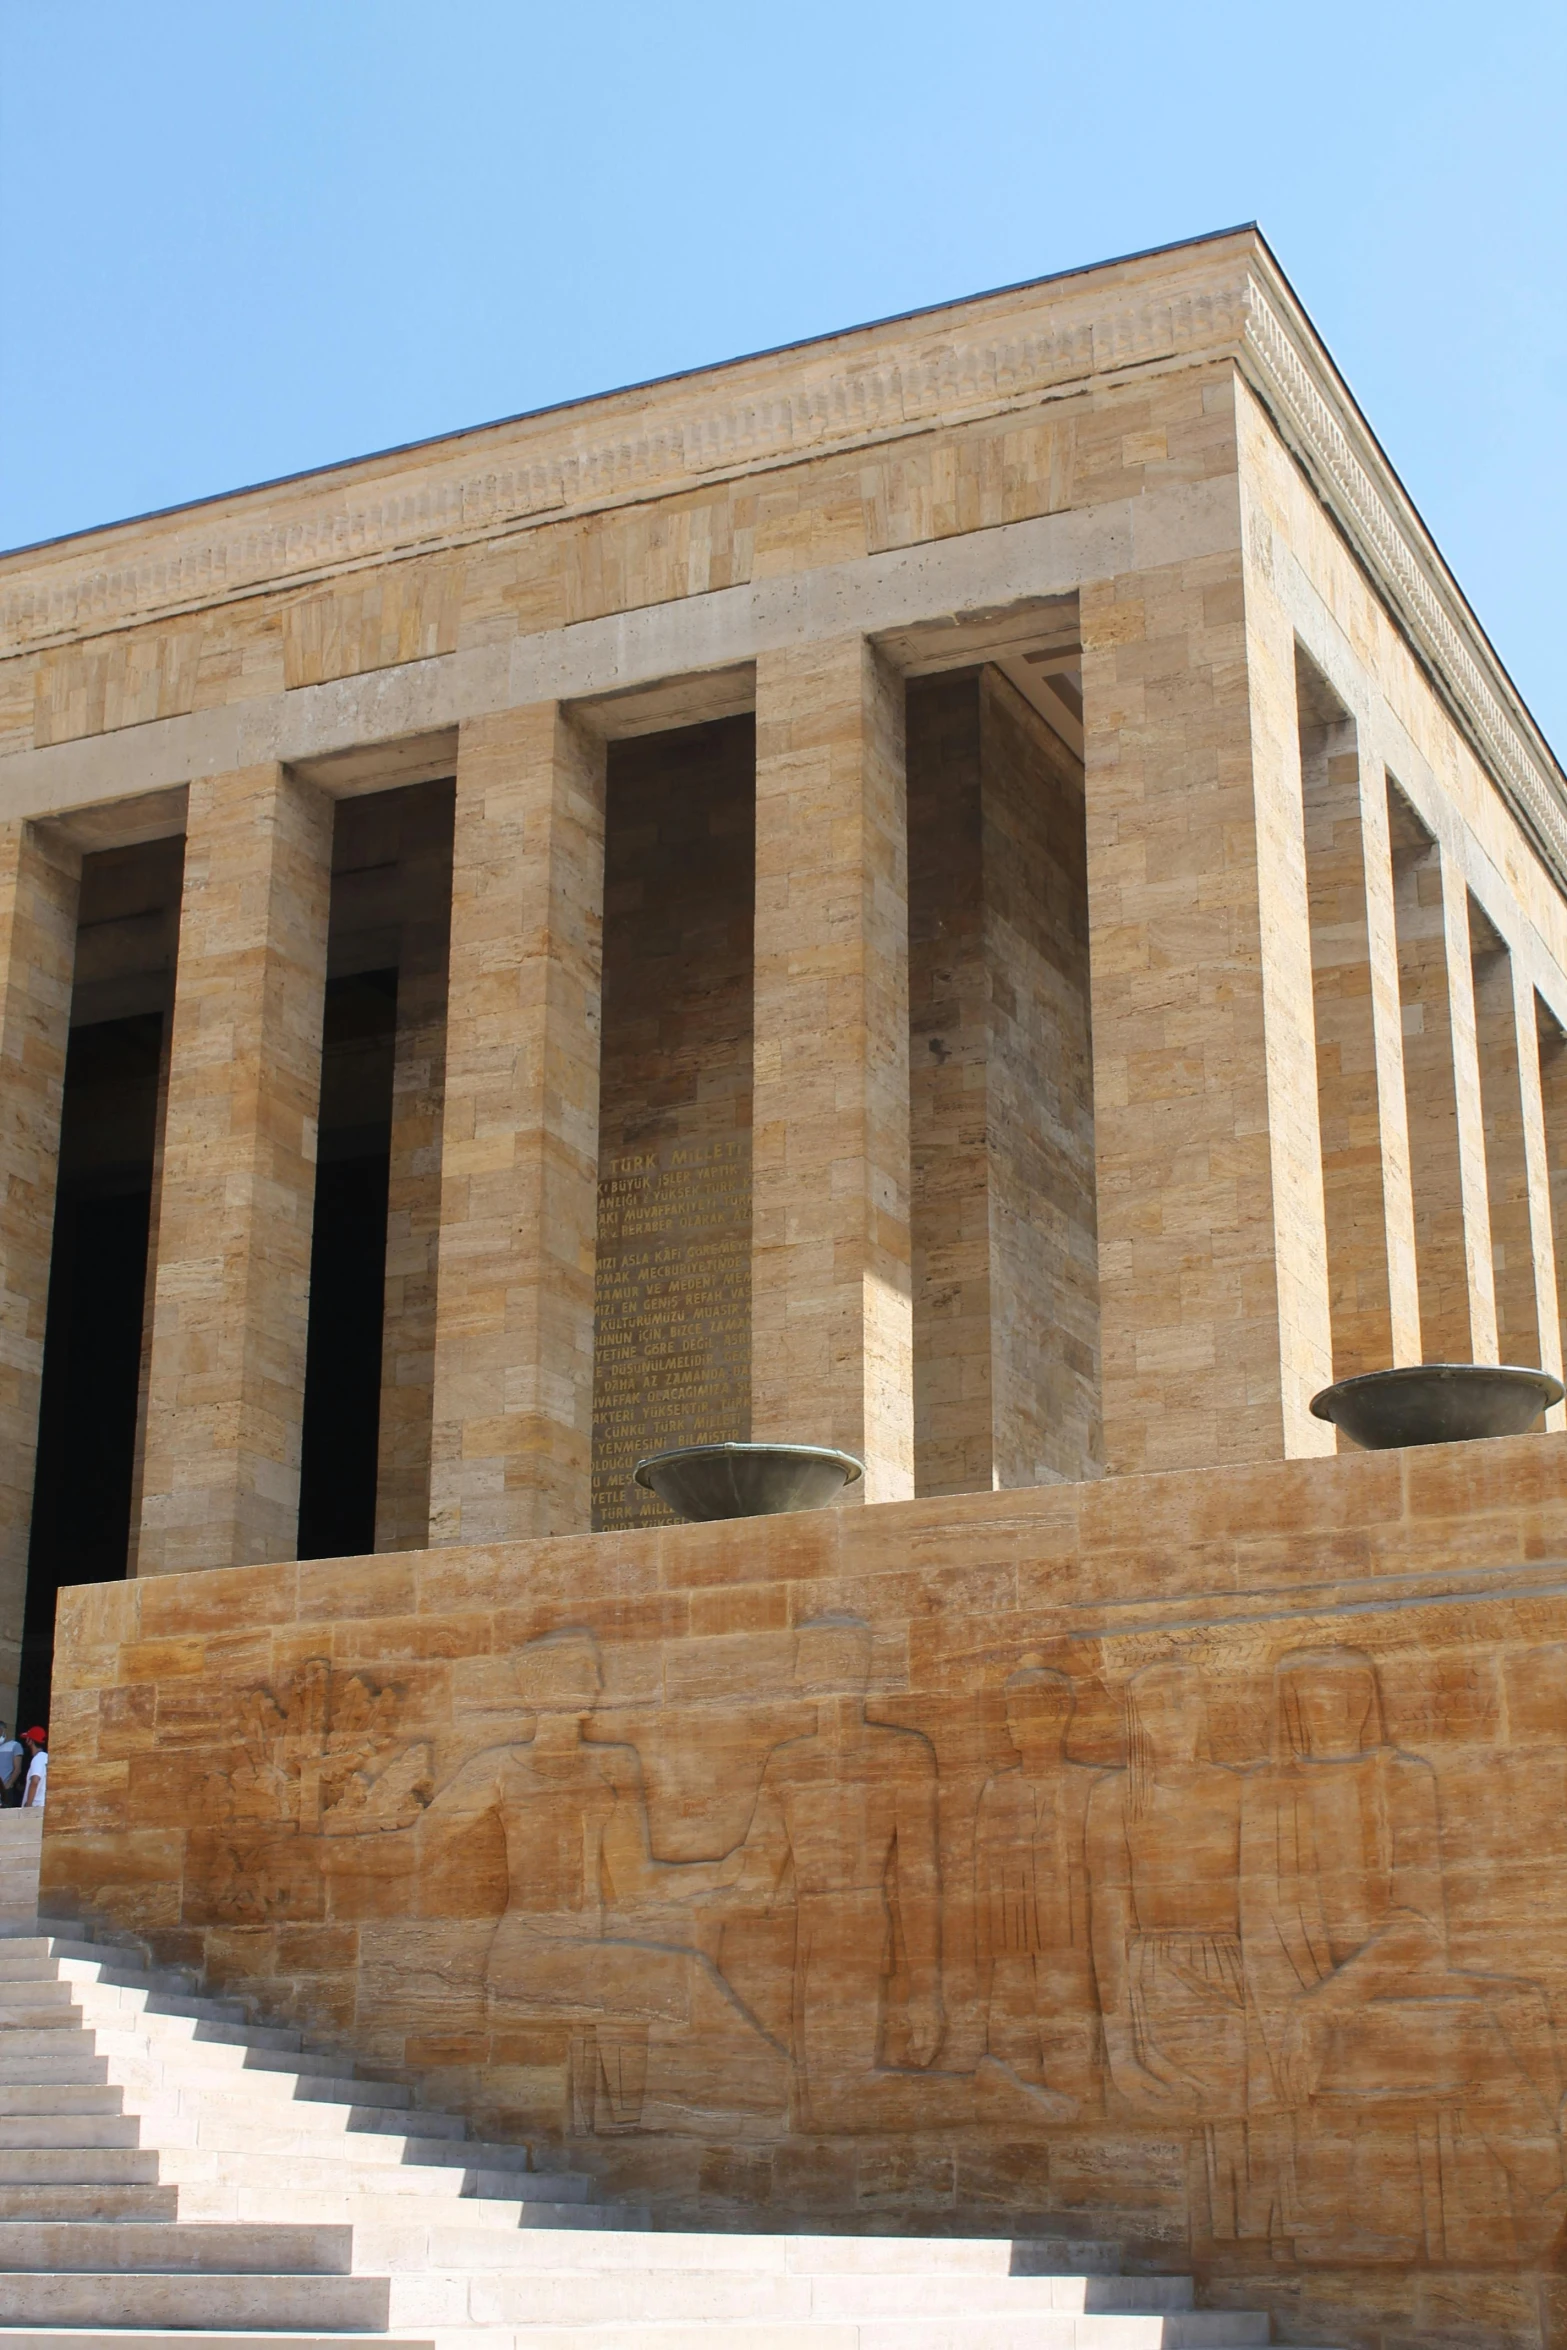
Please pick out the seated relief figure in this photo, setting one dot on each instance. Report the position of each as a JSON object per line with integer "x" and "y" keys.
{"x": 1416, "y": 2100}
{"x": 1036, "y": 1972}
{"x": 595, "y": 1933}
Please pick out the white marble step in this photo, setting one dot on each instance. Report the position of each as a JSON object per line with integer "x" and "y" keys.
{"x": 59, "y": 1998}
{"x": 47, "y": 2167}
{"x": 321, "y": 2249}
{"x": 136, "y": 2338}
{"x": 121, "y": 2060}
{"x": 215, "y": 2204}
{"x": 117, "y": 2297}
{"x": 224, "y": 2046}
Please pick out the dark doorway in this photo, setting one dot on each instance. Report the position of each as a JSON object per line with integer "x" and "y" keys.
{"x": 83, "y": 1480}
{"x": 342, "y": 1410}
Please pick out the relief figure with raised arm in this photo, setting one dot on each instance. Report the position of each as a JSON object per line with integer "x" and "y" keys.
{"x": 596, "y": 1932}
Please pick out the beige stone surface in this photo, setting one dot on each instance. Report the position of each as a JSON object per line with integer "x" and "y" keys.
{"x": 413, "y": 1222}
{"x": 1174, "y": 1860}
{"x": 832, "y": 1323}
{"x": 1212, "y": 1263}
{"x": 511, "y": 1448}
{"x": 1374, "y": 1293}
{"x": 1508, "y": 1198}
{"x": 672, "y": 1284}
{"x": 220, "y": 1479}
{"x": 39, "y": 881}
{"x": 1006, "y": 1321}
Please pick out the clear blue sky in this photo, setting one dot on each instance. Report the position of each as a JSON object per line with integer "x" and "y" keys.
{"x": 245, "y": 238}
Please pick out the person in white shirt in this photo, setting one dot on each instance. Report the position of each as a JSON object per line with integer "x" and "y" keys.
{"x": 37, "y": 1769}
{"x": 13, "y": 1763}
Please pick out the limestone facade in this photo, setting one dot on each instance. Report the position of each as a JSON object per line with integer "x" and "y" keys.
{"x": 970, "y": 891}
{"x": 1176, "y": 1861}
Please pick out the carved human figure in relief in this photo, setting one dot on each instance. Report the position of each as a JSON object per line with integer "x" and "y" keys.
{"x": 593, "y": 1930}
{"x": 1163, "y": 1862}
{"x": 848, "y": 1813}
{"x": 1036, "y": 1974}
{"x": 1355, "y": 1998}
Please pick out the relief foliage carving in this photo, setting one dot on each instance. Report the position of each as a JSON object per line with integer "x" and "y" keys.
{"x": 321, "y": 1748}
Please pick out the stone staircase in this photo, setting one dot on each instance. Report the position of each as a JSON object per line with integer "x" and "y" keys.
{"x": 172, "y": 2173}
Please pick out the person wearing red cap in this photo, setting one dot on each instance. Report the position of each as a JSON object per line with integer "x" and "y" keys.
{"x": 37, "y": 1744}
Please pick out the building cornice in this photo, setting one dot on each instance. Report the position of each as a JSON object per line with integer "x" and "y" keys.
{"x": 855, "y": 390}
{"x": 1286, "y": 365}
{"x": 1218, "y": 298}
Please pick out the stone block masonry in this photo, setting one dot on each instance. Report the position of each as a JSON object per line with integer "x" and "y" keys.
{"x": 231, "y": 1300}
{"x": 978, "y": 1862}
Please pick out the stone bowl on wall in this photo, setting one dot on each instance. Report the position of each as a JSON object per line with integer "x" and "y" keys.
{"x": 701, "y": 1481}
{"x": 1437, "y": 1403}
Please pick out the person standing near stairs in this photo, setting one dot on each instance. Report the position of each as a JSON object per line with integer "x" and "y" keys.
{"x": 37, "y": 1744}
{"x": 13, "y": 1769}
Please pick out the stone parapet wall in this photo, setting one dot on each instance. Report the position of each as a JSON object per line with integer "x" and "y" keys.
{"x": 1179, "y": 1859}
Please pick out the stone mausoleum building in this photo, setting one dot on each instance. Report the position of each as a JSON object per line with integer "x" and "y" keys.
{"x": 970, "y": 891}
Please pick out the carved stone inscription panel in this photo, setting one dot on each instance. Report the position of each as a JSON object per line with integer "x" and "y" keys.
{"x": 907, "y": 1865}
{"x": 672, "y": 1343}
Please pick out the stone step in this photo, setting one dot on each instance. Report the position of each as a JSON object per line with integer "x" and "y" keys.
{"x": 970, "y": 2333}
{"x": 263, "y": 2080}
{"x": 248, "y": 2047}
{"x": 142, "y": 2246}
{"x": 266, "y": 2109}
{"x": 503, "y": 2287}
{"x": 43, "y": 2168}
{"x": 58, "y": 2098}
{"x": 47, "y": 1958}
{"x": 216, "y": 2202}
{"x": 41, "y": 2133}
{"x": 136, "y": 2338}
{"x": 306, "y": 2304}
{"x": 77, "y": 2001}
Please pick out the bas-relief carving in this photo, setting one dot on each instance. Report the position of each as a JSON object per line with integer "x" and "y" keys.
{"x": 1354, "y": 2000}
{"x": 1031, "y": 1914}
{"x": 1252, "y": 1956}
{"x": 325, "y": 1749}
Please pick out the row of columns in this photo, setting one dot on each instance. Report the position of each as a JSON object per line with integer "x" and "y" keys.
{"x": 1263, "y": 1220}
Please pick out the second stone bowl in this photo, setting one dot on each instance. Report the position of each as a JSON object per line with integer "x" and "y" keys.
{"x": 1437, "y": 1403}
{"x": 701, "y": 1481}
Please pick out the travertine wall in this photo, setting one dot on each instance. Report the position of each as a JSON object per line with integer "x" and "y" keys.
{"x": 1162, "y": 440}
{"x": 225, "y": 1394}
{"x": 1207, "y": 1888}
{"x": 1006, "y": 1333}
{"x": 39, "y": 883}
{"x": 672, "y": 1331}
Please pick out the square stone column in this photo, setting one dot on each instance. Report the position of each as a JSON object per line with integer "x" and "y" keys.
{"x": 1375, "y": 1295}
{"x": 832, "y": 1317}
{"x": 1478, "y": 1248}
{"x": 511, "y": 1449}
{"x": 225, "y": 1387}
{"x": 1516, "y": 1243}
{"x": 413, "y": 1203}
{"x": 40, "y": 875}
{"x": 1537, "y": 1181}
{"x": 1212, "y": 1245}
